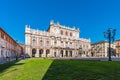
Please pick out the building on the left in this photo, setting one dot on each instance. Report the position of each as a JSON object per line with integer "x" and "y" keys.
{"x": 9, "y": 48}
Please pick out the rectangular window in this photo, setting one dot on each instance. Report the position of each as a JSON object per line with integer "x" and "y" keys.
{"x": 55, "y": 41}
{"x": 2, "y": 35}
{"x": 34, "y": 40}
{"x": 47, "y": 43}
{"x": 41, "y": 42}
{"x": 66, "y": 42}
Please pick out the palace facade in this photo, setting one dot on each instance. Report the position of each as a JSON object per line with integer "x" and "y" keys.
{"x": 9, "y": 48}
{"x": 57, "y": 41}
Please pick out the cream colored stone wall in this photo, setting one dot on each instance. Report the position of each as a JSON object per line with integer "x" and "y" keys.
{"x": 101, "y": 49}
{"x": 56, "y": 42}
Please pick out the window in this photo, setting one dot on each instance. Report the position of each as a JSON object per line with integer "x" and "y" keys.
{"x": 55, "y": 41}
{"x": 6, "y": 38}
{"x": 34, "y": 40}
{"x": 70, "y": 34}
{"x": 2, "y": 35}
{"x": 66, "y": 33}
{"x": 80, "y": 46}
{"x": 66, "y": 42}
{"x": 61, "y": 32}
{"x": 118, "y": 44}
{"x": 84, "y": 46}
{"x": 41, "y": 42}
{"x": 47, "y": 43}
{"x": 87, "y": 46}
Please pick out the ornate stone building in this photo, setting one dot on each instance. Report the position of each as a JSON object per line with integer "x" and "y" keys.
{"x": 118, "y": 48}
{"x": 101, "y": 49}
{"x": 57, "y": 41}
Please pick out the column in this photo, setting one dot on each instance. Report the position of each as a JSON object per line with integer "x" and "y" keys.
{"x": 37, "y": 53}
{"x": 44, "y": 52}
{"x": 51, "y": 52}
{"x": 64, "y": 53}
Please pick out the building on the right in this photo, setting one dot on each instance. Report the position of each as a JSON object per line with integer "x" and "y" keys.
{"x": 101, "y": 49}
{"x": 118, "y": 48}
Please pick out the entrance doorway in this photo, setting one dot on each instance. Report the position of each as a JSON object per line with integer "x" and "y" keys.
{"x": 40, "y": 52}
{"x": 33, "y": 52}
{"x": 66, "y": 53}
{"x": 54, "y": 54}
{"x": 61, "y": 53}
{"x": 47, "y": 52}
{"x": 70, "y": 53}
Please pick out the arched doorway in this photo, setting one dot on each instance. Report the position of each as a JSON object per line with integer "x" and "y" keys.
{"x": 54, "y": 54}
{"x": 33, "y": 52}
{"x": 40, "y": 52}
{"x": 47, "y": 52}
{"x": 66, "y": 53}
{"x": 92, "y": 54}
{"x": 70, "y": 53}
{"x": 61, "y": 53}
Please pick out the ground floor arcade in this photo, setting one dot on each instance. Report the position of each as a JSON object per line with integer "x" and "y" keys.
{"x": 49, "y": 52}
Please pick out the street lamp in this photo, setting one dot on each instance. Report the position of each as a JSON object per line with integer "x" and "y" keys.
{"x": 110, "y": 35}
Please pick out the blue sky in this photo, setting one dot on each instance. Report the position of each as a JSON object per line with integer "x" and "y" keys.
{"x": 93, "y": 17}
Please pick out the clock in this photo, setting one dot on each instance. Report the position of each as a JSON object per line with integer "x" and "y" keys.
{"x": 56, "y": 30}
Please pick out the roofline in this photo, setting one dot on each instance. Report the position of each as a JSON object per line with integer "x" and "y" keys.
{"x": 8, "y": 35}
{"x": 118, "y": 40}
{"x": 102, "y": 41}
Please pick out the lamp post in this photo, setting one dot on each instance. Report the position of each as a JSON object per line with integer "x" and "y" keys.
{"x": 110, "y": 35}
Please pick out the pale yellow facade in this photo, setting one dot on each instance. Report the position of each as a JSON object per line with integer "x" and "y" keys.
{"x": 117, "y": 47}
{"x": 101, "y": 49}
